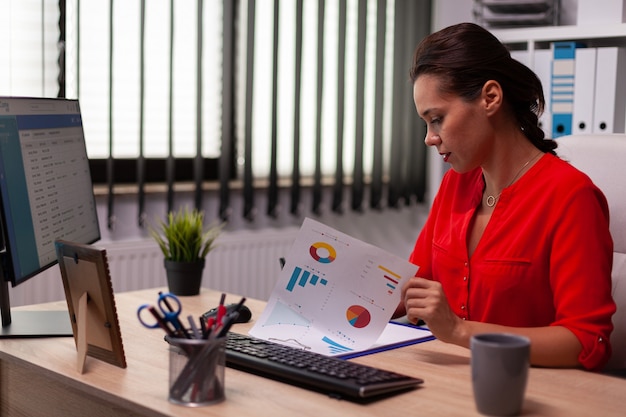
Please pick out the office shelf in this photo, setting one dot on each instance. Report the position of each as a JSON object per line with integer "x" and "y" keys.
{"x": 610, "y": 35}
{"x": 516, "y": 13}
{"x": 533, "y": 37}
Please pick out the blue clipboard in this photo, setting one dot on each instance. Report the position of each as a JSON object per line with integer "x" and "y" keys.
{"x": 395, "y": 335}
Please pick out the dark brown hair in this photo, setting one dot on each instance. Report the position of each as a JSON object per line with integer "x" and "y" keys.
{"x": 465, "y": 56}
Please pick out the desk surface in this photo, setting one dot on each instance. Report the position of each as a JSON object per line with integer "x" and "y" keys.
{"x": 39, "y": 377}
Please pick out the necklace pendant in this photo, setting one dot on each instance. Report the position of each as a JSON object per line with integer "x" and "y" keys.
{"x": 491, "y": 201}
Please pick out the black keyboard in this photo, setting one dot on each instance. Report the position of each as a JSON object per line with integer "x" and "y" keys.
{"x": 333, "y": 376}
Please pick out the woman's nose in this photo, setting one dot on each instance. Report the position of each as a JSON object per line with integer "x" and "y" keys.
{"x": 431, "y": 139}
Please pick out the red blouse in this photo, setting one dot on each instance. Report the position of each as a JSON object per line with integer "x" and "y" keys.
{"x": 544, "y": 259}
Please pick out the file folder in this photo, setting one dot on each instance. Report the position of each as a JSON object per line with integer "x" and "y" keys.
{"x": 562, "y": 87}
{"x": 584, "y": 90}
{"x": 610, "y": 90}
{"x": 522, "y": 56}
{"x": 542, "y": 66}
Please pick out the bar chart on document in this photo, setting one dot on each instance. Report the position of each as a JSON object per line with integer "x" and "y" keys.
{"x": 335, "y": 293}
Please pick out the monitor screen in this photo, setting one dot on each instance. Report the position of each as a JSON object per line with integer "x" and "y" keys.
{"x": 45, "y": 194}
{"x": 46, "y": 191}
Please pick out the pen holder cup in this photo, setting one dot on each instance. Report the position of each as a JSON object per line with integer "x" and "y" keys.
{"x": 196, "y": 375}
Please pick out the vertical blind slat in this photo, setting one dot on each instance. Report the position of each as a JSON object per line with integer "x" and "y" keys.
{"x": 376, "y": 189}
{"x": 248, "y": 188}
{"x": 62, "y": 48}
{"x": 198, "y": 161}
{"x": 341, "y": 51}
{"x": 419, "y": 30}
{"x": 272, "y": 202}
{"x": 42, "y": 40}
{"x": 405, "y": 139}
{"x": 317, "y": 179}
{"x": 78, "y": 56}
{"x": 110, "y": 160}
{"x": 295, "y": 175}
{"x": 397, "y": 131}
{"x": 169, "y": 169}
{"x": 358, "y": 183}
{"x": 141, "y": 180}
{"x": 227, "y": 107}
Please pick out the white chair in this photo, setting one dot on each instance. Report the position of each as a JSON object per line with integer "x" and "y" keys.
{"x": 603, "y": 158}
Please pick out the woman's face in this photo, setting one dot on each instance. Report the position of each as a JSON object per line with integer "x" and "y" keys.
{"x": 460, "y": 130}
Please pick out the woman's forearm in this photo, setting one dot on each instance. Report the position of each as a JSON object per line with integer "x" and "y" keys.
{"x": 550, "y": 346}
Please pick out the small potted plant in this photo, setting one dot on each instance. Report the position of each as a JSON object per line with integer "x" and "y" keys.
{"x": 185, "y": 243}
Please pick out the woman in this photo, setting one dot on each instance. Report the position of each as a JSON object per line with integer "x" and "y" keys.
{"x": 517, "y": 239}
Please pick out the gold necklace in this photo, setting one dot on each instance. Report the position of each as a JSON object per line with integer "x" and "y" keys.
{"x": 492, "y": 200}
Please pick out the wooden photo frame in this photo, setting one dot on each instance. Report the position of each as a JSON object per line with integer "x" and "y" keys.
{"x": 91, "y": 304}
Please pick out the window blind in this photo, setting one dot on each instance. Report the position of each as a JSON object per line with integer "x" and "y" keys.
{"x": 30, "y": 49}
{"x": 271, "y": 96}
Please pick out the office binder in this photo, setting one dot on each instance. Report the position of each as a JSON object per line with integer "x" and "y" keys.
{"x": 584, "y": 90}
{"x": 610, "y": 90}
{"x": 562, "y": 87}
{"x": 542, "y": 66}
{"x": 522, "y": 56}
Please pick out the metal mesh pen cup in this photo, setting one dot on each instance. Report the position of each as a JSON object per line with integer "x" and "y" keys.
{"x": 196, "y": 371}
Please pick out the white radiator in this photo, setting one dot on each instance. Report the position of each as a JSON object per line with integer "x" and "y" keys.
{"x": 245, "y": 263}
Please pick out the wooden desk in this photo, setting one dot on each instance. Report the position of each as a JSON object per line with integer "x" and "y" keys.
{"x": 38, "y": 377}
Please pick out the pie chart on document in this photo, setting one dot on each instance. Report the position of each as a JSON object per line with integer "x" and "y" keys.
{"x": 358, "y": 316}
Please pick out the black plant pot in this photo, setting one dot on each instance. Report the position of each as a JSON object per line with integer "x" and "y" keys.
{"x": 184, "y": 278}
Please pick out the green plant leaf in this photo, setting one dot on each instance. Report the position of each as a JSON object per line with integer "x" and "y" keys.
{"x": 182, "y": 236}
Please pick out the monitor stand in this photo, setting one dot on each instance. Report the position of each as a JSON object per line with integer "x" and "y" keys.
{"x": 24, "y": 323}
{"x": 55, "y": 323}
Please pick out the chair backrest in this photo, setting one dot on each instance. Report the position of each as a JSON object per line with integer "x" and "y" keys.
{"x": 603, "y": 158}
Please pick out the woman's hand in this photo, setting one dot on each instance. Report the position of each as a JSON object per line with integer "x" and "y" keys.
{"x": 424, "y": 299}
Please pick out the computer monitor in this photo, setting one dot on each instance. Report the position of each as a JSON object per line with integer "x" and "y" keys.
{"x": 46, "y": 194}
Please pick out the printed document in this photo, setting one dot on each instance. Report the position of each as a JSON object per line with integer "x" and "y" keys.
{"x": 335, "y": 296}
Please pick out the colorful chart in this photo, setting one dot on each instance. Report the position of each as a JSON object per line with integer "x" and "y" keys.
{"x": 391, "y": 279}
{"x": 283, "y": 315}
{"x": 358, "y": 316}
{"x": 314, "y": 250}
{"x": 302, "y": 277}
{"x": 334, "y": 347}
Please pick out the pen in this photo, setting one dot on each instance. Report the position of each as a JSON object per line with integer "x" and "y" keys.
{"x": 231, "y": 318}
{"x": 228, "y": 322}
{"x": 194, "y": 328}
{"x": 209, "y": 327}
{"x": 161, "y": 321}
{"x": 221, "y": 310}
{"x": 240, "y": 304}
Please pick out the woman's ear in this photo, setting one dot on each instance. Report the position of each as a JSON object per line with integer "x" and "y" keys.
{"x": 492, "y": 96}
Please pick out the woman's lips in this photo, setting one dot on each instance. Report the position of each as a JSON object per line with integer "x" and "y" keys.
{"x": 445, "y": 156}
